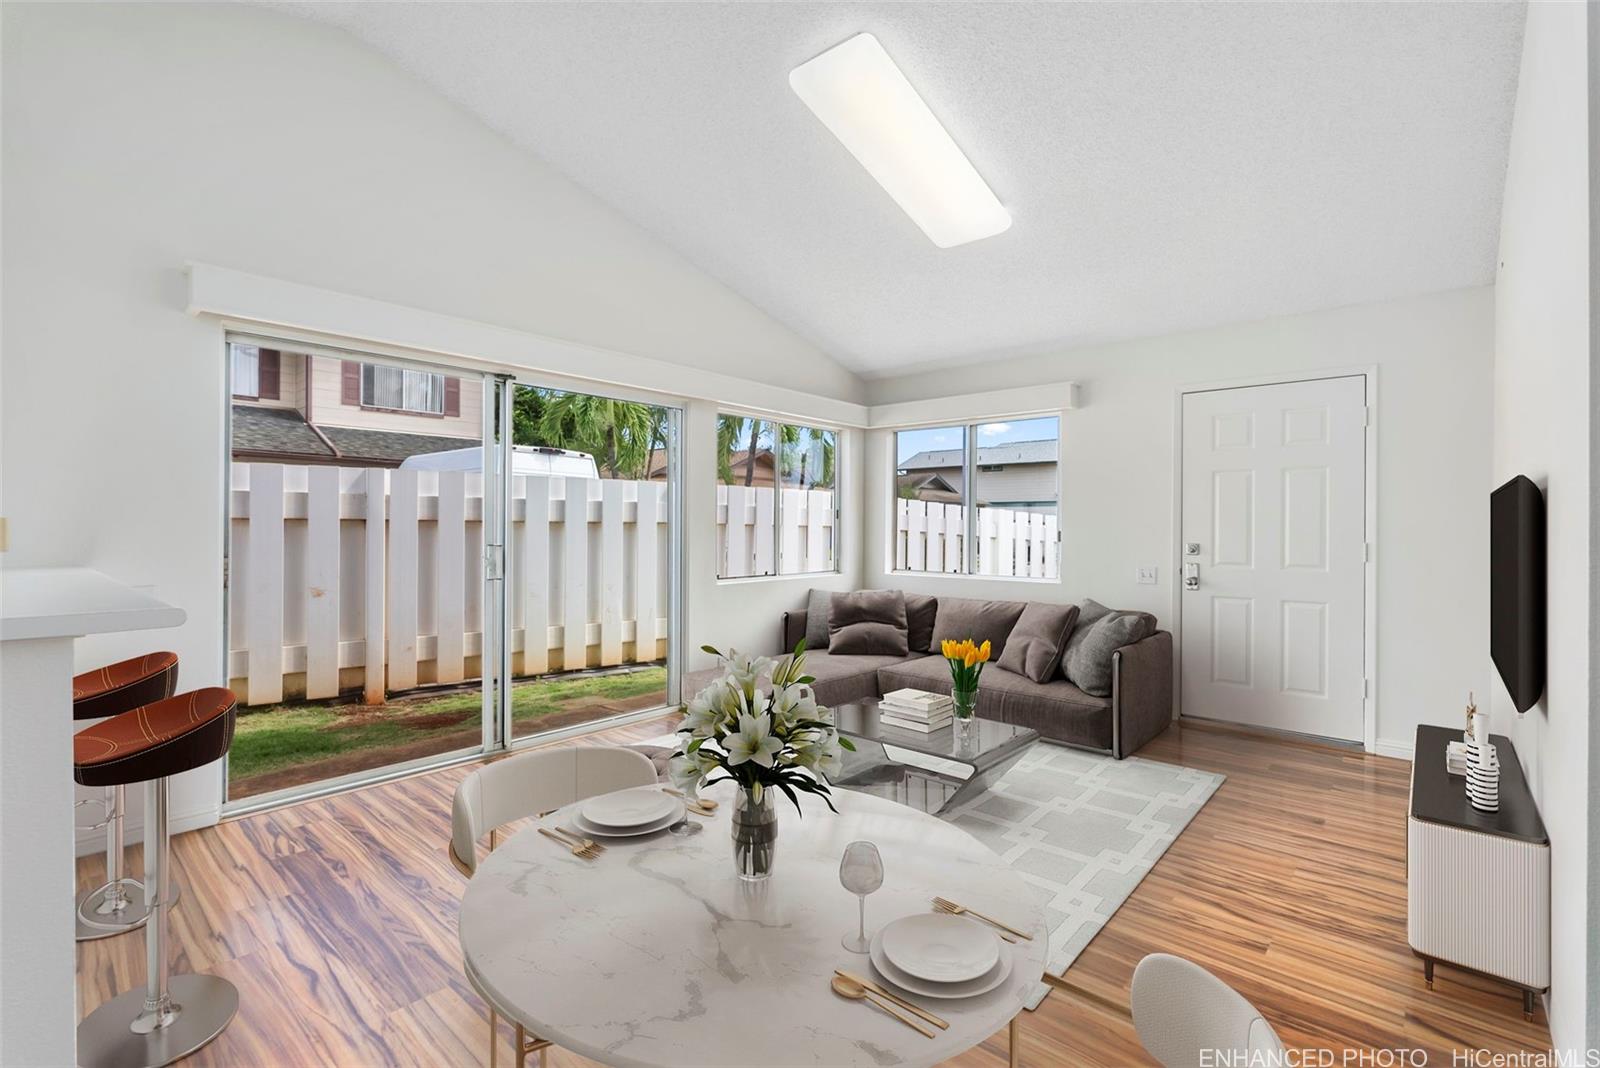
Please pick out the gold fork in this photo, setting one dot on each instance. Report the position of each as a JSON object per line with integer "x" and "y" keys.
{"x": 950, "y": 907}
{"x": 579, "y": 847}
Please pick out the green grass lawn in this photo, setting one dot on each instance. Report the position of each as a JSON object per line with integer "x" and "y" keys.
{"x": 283, "y": 737}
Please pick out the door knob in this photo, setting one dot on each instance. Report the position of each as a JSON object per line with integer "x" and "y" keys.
{"x": 1191, "y": 576}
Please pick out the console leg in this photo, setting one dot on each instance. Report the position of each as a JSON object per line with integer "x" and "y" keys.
{"x": 1427, "y": 972}
{"x": 1527, "y": 1005}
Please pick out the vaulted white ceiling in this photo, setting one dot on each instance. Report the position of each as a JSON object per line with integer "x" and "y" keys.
{"x": 1167, "y": 166}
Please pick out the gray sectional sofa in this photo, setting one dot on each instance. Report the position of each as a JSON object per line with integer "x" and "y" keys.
{"x": 1138, "y": 708}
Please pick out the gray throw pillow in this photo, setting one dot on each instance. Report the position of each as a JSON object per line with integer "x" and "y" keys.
{"x": 1100, "y": 632}
{"x": 920, "y": 612}
{"x": 958, "y": 618}
{"x": 817, "y": 609}
{"x": 868, "y": 623}
{"x": 1036, "y": 644}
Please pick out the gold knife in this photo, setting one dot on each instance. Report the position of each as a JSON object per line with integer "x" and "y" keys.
{"x": 896, "y": 998}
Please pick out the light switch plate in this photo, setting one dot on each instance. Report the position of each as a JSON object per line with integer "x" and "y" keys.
{"x": 1146, "y": 576}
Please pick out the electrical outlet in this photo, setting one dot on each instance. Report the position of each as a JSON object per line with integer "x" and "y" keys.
{"x": 1146, "y": 576}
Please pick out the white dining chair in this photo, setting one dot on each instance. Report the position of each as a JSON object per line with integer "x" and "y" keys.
{"x": 1180, "y": 1009}
{"x": 529, "y": 785}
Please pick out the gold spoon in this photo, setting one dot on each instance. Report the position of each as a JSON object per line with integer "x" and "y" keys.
{"x": 849, "y": 988}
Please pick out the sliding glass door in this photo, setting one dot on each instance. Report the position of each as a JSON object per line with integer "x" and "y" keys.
{"x": 591, "y": 558}
{"x": 403, "y": 588}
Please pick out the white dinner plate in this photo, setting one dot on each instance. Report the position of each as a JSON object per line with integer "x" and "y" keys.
{"x": 940, "y": 947}
{"x": 583, "y": 826}
{"x": 627, "y": 809}
{"x": 969, "y": 989}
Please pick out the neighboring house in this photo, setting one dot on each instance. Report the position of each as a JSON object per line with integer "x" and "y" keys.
{"x": 765, "y": 467}
{"x": 1019, "y": 474}
{"x": 306, "y": 408}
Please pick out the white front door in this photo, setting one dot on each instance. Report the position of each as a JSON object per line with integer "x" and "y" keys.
{"x": 1273, "y": 556}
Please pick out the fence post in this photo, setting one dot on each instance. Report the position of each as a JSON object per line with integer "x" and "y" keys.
{"x": 536, "y": 575}
{"x": 403, "y": 579}
{"x": 766, "y": 506}
{"x": 738, "y": 533}
{"x": 575, "y": 579}
{"x": 646, "y": 573}
{"x": 612, "y": 506}
{"x": 376, "y": 540}
{"x": 322, "y": 582}
{"x": 819, "y": 530}
{"x": 450, "y": 567}
{"x": 264, "y": 585}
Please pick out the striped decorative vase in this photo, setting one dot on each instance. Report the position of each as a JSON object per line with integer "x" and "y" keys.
{"x": 1483, "y": 769}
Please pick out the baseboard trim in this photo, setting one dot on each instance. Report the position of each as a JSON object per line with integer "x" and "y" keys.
{"x": 1398, "y": 750}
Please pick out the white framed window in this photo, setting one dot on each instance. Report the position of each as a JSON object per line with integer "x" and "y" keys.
{"x": 979, "y": 499}
{"x": 246, "y": 360}
{"x": 777, "y": 498}
{"x": 401, "y": 389}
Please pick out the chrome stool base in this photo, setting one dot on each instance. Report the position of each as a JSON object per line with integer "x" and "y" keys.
{"x": 202, "y": 1005}
{"x": 95, "y": 920}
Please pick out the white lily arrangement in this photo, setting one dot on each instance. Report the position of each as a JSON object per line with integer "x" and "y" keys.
{"x": 759, "y": 739}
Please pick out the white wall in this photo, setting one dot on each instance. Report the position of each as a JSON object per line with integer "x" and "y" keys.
{"x": 1543, "y": 403}
{"x": 138, "y": 137}
{"x": 1433, "y": 356}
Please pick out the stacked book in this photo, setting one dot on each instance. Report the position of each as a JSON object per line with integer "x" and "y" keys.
{"x": 916, "y": 710}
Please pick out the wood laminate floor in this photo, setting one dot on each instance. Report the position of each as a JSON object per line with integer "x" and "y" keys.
{"x": 337, "y": 921}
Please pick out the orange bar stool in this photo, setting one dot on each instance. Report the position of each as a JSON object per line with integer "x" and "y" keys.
{"x": 174, "y": 1015}
{"x": 118, "y": 906}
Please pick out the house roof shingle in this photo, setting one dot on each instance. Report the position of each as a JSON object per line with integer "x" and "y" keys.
{"x": 283, "y": 431}
{"x": 1013, "y": 452}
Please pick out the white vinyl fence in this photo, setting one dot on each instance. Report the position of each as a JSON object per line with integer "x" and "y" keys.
{"x": 745, "y": 543}
{"x": 323, "y": 600}
{"x": 930, "y": 536}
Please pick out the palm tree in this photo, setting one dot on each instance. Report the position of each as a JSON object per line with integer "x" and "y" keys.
{"x": 730, "y": 429}
{"x": 618, "y": 433}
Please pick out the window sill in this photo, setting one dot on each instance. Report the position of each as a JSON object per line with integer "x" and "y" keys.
{"x": 976, "y": 578}
{"x": 741, "y": 580}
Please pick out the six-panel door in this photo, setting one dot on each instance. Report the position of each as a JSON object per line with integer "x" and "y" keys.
{"x": 1273, "y": 550}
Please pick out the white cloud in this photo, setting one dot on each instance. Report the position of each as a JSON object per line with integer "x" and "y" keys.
{"x": 993, "y": 430}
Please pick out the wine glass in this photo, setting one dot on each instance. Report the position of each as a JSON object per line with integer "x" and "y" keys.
{"x": 860, "y": 872}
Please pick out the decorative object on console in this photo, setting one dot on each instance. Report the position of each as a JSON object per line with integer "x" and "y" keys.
{"x": 966, "y": 667}
{"x": 763, "y": 741}
{"x": 1483, "y": 767}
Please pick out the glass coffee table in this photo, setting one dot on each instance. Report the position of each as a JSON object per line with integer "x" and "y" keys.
{"x": 932, "y": 772}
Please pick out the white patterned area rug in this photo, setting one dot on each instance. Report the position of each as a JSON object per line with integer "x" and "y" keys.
{"x": 1083, "y": 830}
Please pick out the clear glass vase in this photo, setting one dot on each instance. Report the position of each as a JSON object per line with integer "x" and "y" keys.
{"x": 966, "y": 707}
{"x": 755, "y": 834}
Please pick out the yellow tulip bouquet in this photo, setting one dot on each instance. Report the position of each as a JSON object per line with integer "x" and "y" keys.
{"x": 966, "y": 667}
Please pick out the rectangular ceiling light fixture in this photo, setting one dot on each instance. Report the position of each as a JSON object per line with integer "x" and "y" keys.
{"x": 860, "y": 95}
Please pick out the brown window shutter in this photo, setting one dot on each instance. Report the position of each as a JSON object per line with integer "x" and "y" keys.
{"x": 452, "y": 396}
{"x": 267, "y": 374}
{"x": 350, "y": 382}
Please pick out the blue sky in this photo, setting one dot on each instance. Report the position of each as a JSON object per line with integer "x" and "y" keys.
{"x": 912, "y": 442}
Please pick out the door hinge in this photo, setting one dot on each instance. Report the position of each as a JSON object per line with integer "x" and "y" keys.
{"x": 1366, "y": 415}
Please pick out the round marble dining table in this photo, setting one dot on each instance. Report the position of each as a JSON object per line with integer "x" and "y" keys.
{"x": 657, "y": 955}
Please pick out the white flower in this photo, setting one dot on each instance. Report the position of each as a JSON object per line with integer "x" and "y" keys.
{"x": 702, "y": 716}
{"x": 752, "y": 741}
{"x": 830, "y": 758}
{"x": 744, "y": 670}
{"x": 792, "y": 703}
{"x": 689, "y": 771}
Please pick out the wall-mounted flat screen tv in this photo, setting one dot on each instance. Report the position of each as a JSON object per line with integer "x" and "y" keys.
{"x": 1516, "y": 589}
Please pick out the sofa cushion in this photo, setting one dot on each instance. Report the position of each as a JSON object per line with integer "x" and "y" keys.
{"x": 868, "y": 623}
{"x": 1057, "y": 709}
{"x": 817, "y": 609}
{"x": 1100, "y": 632}
{"x": 841, "y": 680}
{"x": 982, "y": 621}
{"x": 1036, "y": 644}
{"x": 920, "y": 612}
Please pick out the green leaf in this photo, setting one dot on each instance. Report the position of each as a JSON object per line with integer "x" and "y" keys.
{"x": 845, "y": 743}
{"x": 713, "y": 650}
